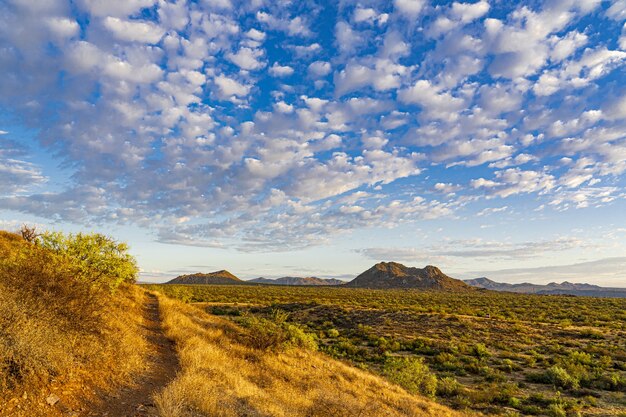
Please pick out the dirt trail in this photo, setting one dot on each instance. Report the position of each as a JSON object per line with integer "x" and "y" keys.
{"x": 137, "y": 401}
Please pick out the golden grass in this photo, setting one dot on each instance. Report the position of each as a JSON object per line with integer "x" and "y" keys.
{"x": 60, "y": 336}
{"x": 221, "y": 376}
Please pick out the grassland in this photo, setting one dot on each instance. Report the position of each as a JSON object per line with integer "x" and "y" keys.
{"x": 496, "y": 353}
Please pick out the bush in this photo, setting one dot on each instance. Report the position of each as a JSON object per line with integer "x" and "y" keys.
{"x": 99, "y": 260}
{"x": 559, "y": 377}
{"x": 480, "y": 351}
{"x": 411, "y": 374}
{"x": 448, "y": 387}
{"x": 332, "y": 333}
{"x": 275, "y": 333}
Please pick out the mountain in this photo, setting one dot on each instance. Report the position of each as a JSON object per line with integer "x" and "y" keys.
{"x": 222, "y": 277}
{"x": 395, "y": 275}
{"x": 297, "y": 281}
{"x": 566, "y": 288}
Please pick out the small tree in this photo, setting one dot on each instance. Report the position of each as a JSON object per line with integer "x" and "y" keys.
{"x": 99, "y": 259}
{"x": 29, "y": 233}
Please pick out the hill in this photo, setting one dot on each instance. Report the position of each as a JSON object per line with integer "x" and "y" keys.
{"x": 64, "y": 326}
{"x": 222, "y": 277}
{"x": 564, "y": 288}
{"x": 396, "y": 275}
{"x": 297, "y": 281}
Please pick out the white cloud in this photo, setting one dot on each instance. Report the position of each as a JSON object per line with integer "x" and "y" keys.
{"x": 247, "y": 58}
{"x": 229, "y": 87}
{"x": 433, "y": 100}
{"x": 63, "y": 27}
{"x": 348, "y": 40}
{"x": 409, "y": 8}
{"x": 320, "y": 68}
{"x": 115, "y": 7}
{"x": 18, "y": 176}
{"x": 617, "y": 11}
{"x": 255, "y": 34}
{"x": 369, "y": 15}
{"x": 579, "y": 73}
{"x": 133, "y": 31}
{"x": 278, "y": 70}
{"x": 467, "y": 12}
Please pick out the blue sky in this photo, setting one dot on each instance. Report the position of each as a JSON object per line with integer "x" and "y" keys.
{"x": 316, "y": 138}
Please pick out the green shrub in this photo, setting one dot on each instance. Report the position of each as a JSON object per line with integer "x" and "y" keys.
{"x": 275, "y": 333}
{"x": 332, "y": 333}
{"x": 559, "y": 377}
{"x": 412, "y": 374}
{"x": 448, "y": 387}
{"x": 480, "y": 351}
{"x": 556, "y": 410}
{"x": 99, "y": 260}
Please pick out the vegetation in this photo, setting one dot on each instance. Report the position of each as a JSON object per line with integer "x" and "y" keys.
{"x": 492, "y": 352}
{"x": 97, "y": 259}
{"x": 227, "y": 373}
{"x": 61, "y": 329}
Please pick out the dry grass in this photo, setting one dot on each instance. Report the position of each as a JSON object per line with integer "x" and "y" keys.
{"x": 58, "y": 335}
{"x": 221, "y": 376}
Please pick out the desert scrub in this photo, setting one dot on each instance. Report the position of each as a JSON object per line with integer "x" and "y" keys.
{"x": 411, "y": 374}
{"x": 222, "y": 376}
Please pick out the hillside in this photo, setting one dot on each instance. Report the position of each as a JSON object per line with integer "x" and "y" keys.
{"x": 564, "y": 288}
{"x": 222, "y": 277}
{"x": 396, "y": 275}
{"x": 65, "y": 324}
{"x": 297, "y": 281}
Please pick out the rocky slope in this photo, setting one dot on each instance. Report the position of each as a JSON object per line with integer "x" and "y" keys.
{"x": 395, "y": 275}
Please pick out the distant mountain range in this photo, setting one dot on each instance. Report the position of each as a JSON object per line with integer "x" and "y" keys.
{"x": 395, "y": 275}
{"x": 566, "y": 288}
{"x": 224, "y": 277}
{"x": 297, "y": 281}
{"x": 381, "y": 275}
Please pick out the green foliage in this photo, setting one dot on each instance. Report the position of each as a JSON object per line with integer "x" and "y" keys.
{"x": 559, "y": 377}
{"x": 448, "y": 387}
{"x": 480, "y": 351}
{"x": 332, "y": 333}
{"x": 276, "y": 333}
{"x": 99, "y": 259}
{"x": 412, "y": 374}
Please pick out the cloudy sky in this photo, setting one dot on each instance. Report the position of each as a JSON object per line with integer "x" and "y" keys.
{"x": 318, "y": 137}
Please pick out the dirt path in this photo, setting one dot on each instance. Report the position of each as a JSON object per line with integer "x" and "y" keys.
{"x": 137, "y": 401}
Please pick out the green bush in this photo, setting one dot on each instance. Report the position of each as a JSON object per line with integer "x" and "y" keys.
{"x": 276, "y": 334}
{"x": 559, "y": 377}
{"x": 448, "y": 387}
{"x": 412, "y": 374}
{"x": 480, "y": 351}
{"x": 99, "y": 260}
{"x": 332, "y": 333}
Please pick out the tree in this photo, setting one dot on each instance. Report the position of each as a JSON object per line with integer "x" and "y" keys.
{"x": 99, "y": 259}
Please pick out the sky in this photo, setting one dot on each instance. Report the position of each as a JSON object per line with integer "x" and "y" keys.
{"x": 276, "y": 138}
